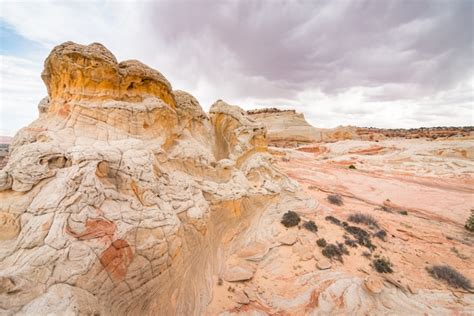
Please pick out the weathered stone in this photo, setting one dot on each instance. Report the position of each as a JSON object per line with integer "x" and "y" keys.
{"x": 323, "y": 264}
{"x": 374, "y": 284}
{"x": 287, "y": 238}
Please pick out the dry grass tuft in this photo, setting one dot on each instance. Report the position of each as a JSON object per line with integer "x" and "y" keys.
{"x": 450, "y": 275}
{"x": 360, "y": 218}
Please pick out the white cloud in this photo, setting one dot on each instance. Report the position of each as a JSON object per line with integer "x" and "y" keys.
{"x": 20, "y": 91}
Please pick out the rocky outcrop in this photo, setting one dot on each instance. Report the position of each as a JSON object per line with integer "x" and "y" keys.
{"x": 125, "y": 198}
{"x": 4, "y": 146}
{"x": 115, "y": 200}
{"x": 287, "y": 128}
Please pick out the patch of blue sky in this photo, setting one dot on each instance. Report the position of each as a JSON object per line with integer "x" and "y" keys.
{"x": 13, "y": 44}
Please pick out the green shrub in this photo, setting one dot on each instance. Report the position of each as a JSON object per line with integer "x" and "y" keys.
{"x": 335, "y": 199}
{"x": 403, "y": 212}
{"x": 362, "y": 237}
{"x": 343, "y": 248}
{"x": 332, "y": 251}
{"x": 321, "y": 242}
{"x": 450, "y": 275}
{"x": 290, "y": 219}
{"x": 470, "y": 222}
{"x": 311, "y": 226}
{"x": 352, "y": 167}
{"x": 382, "y": 234}
{"x": 382, "y": 265}
{"x": 351, "y": 243}
{"x": 333, "y": 220}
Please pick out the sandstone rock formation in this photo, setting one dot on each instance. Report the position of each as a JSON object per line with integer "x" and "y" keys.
{"x": 287, "y": 128}
{"x": 117, "y": 198}
{"x": 4, "y": 145}
{"x": 125, "y": 198}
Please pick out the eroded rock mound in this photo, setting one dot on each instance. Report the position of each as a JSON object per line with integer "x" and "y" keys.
{"x": 125, "y": 198}
{"x": 116, "y": 198}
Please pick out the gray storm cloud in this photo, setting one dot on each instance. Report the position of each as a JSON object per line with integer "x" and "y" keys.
{"x": 391, "y": 63}
{"x": 332, "y": 45}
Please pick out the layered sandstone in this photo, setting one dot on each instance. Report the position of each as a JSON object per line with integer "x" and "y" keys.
{"x": 289, "y": 128}
{"x": 125, "y": 198}
{"x": 117, "y": 198}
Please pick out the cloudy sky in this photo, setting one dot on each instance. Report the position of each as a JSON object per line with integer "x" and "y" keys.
{"x": 404, "y": 63}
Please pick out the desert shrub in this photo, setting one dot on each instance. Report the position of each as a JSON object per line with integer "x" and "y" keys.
{"x": 333, "y": 220}
{"x": 332, "y": 251}
{"x": 403, "y": 212}
{"x": 351, "y": 243}
{"x": 352, "y": 167}
{"x": 459, "y": 254}
{"x": 290, "y": 219}
{"x": 382, "y": 234}
{"x": 343, "y": 248}
{"x": 335, "y": 199}
{"x": 362, "y": 237}
{"x": 382, "y": 265}
{"x": 450, "y": 275}
{"x": 360, "y": 218}
{"x": 470, "y": 222}
{"x": 367, "y": 254}
{"x": 311, "y": 226}
{"x": 321, "y": 242}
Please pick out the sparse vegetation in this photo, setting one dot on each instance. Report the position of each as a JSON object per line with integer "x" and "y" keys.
{"x": 311, "y": 226}
{"x": 220, "y": 281}
{"x": 332, "y": 251}
{"x": 362, "y": 237}
{"x": 459, "y": 254}
{"x": 367, "y": 254}
{"x": 382, "y": 265}
{"x": 382, "y": 234}
{"x": 351, "y": 243}
{"x": 450, "y": 275}
{"x": 470, "y": 222}
{"x": 333, "y": 220}
{"x": 352, "y": 167}
{"x": 290, "y": 219}
{"x": 343, "y": 248}
{"x": 360, "y": 218}
{"x": 335, "y": 199}
{"x": 321, "y": 242}
{"x": 403, "y": 212}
